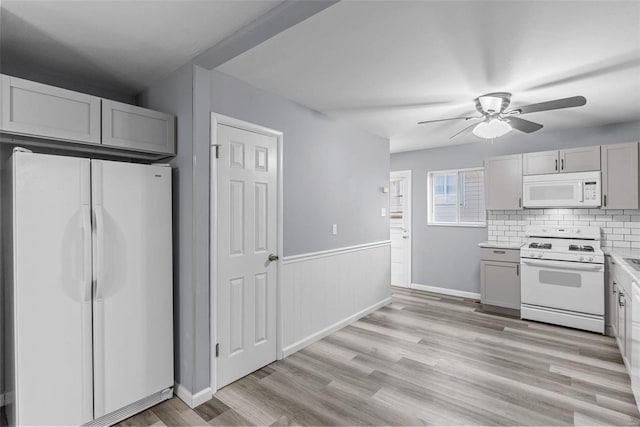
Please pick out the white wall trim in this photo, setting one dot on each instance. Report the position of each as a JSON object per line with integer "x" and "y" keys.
{"x": 332, "y": 328}
{"x": 331, "y": 252}
{"x": 446, "y": 291}
{"x": 192, "y": 400}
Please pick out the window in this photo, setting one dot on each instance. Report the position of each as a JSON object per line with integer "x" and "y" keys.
{"x": 456, "y": 197}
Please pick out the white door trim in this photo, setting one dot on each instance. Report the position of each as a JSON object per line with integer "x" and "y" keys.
{"x": 219, "y": 119}
{"x": 408, "y": 212}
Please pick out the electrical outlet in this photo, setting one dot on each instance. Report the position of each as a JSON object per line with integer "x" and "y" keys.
{"x": 383, "y": 212}
{"x": 334, "y": 229}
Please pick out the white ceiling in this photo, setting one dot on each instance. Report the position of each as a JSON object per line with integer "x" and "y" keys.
{"x": 126, "y": 45}
{"x": 385, "y": 65}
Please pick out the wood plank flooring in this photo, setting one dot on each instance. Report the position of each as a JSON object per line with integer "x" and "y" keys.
{"x": 427, "y": 359}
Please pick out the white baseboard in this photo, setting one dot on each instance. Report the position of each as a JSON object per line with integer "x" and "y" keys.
{"x": 329, "y": 330}
{"x": 446, "y": 291}
{"x": 192, "y": 400}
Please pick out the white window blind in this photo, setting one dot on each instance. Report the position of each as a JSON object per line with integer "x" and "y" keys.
{"x": 456, "y": 197}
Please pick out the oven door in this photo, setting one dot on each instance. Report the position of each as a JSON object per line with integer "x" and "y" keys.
{"x": 564, "y": 285}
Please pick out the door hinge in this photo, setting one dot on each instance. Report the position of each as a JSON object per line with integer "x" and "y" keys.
{"x": 217, "y": 150}
{"x": 217, "y": 349}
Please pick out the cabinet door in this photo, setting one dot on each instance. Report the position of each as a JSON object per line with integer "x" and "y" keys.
{"x": 611, "y": 296}
{"x": 137, "y": 128}
{"x": 621, "y": 323}
{"x": 500, "y": 284}
{"x": 540, "y": 163}
{"x": 627, "y": 328}
{"x": 503, "y": 182}
{"x": 35, "y": 109}
{"x": 620, "y": 176}
{"x": 581, "y": 159}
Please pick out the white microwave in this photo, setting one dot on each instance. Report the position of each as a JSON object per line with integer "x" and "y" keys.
{"x": 562, "y": 190}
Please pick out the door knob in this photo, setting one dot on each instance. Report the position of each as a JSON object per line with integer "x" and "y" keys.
{"x": 273, "y": 257}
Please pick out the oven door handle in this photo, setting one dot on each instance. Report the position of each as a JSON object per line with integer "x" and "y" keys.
{"x": 565, "y": 265}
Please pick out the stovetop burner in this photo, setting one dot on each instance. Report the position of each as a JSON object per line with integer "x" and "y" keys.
{"x": 581, "y": 248}
{"x": 540, "y": 245}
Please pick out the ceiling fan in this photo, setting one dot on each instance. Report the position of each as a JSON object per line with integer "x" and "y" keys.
{"x": 498, "y": 119}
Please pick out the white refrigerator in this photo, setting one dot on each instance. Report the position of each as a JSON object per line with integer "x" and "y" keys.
{"x": 90, "y": 289}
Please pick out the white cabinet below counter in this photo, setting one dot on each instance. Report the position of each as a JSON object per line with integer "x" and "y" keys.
{"x": 500, "y": 279}
{"x": 622, "y": 284}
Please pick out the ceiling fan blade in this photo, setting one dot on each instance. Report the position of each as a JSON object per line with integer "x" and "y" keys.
{"x": 452, "y": 118}
{"x": 465, "y": 130}
{"x": 523, "y": 125}
{"x": 557, "y": 104}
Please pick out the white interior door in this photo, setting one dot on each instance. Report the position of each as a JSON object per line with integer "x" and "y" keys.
{"x": 52, "y": 290}
{"x": 247, "y": 173}
{"x": 133, "y": 292}
{"x": 400, "y": 222}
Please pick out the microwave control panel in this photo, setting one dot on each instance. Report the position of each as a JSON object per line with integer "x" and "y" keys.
{"x": 590, "y": 191}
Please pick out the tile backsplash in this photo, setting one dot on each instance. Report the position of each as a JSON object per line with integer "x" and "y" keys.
{"x": 620, "y": 228}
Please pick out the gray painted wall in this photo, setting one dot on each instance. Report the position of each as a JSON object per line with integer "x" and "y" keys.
{"x": 333, "y": 173}
{"x": 175, "y": 95}
{"x": 449, "y": 257}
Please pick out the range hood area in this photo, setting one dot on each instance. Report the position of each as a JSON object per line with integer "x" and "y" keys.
{"x": 566, "y": 190}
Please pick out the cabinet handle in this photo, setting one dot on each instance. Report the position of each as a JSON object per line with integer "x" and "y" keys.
{"x": 614, "y": 287}
{"x": 519, "y": 202}
{"x": 556, "y": 165}
{"x": 562, "y": 164}
{"x": 605, "y": 200}
{"x": 499, "y": 252}
{"x": 621, "y": 299}
{"x": 517, "y": 269}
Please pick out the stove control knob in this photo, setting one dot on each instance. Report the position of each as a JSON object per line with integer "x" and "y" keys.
{"x": 539, "y": 255}
{"x": 590, "y": 258}
{"x": 581, "y": 258}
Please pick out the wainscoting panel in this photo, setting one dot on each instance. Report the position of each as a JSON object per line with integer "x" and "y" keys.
{"x": 325, "y": 291}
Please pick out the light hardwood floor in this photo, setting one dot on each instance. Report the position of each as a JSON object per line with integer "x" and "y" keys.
{"x": 427, "y": 359}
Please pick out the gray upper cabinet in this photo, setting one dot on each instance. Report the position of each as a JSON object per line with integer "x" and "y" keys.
{"x": 540, "y": 163}
{"x": 503, "y": 182}
{"x": 620, "y": 176}
{"x": 35, "y": 109}
{"x": 581, "y": 159}
{"x": 137, "y": 128}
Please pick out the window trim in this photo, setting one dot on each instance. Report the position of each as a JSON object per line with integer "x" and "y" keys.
{"x": 431, "y": 197}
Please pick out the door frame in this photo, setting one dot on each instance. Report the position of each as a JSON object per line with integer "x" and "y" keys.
{"x": 408, "y": 208}
{"x": 219, "y": 119}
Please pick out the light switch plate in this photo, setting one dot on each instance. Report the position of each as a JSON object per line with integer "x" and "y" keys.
{"x": 383, "y": 212}
{"x": 334, "y": 229}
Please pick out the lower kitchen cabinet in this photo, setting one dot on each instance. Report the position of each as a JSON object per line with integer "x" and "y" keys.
{"x": 500, "y": 279}
{"x": 620, "y": 309}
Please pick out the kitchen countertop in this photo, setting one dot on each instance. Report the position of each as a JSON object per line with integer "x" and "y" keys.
{"x": 500, "y": 245}
{"x": 619, "y": 254}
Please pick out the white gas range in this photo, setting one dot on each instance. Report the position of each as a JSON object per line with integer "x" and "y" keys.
{"x": 562, "y": 279}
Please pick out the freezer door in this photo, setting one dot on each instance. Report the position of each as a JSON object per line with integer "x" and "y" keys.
{"x": 133, "y": 292}
{"x": 51, "y": 290}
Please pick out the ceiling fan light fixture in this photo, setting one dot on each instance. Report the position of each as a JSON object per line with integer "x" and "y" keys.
{"x": 491, "y": 104}
{"x": 492, "y": 129}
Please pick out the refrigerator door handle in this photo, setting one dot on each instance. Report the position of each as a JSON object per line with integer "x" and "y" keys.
{"x": 99, "y": 255}
{"x": 86, "y": 253}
